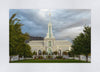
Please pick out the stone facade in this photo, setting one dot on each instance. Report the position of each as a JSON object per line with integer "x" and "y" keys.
{"x": 56, "y": 45}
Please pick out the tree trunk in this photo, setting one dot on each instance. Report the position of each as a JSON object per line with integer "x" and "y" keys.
{"x": 18, "y": 57}
{"x": 86, "y": 58}
{"x": 79, "y": 57}
{"x": 73, "y": 57}
{"x": 10, "y": 59}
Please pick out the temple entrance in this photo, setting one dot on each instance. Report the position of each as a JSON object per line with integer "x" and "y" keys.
{"x": 59, "y": 52}
{"x": 49, "y": 51}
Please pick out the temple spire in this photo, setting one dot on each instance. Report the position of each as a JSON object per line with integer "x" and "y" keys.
{"x": 49, "y": 13}
{"x": 50, "y": 33}
{"x": 49, "y": 16}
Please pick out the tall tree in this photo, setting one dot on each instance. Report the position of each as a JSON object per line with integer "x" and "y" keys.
{"x": 87, "y": 42}
{"x": 13, "y": 34}
{"x": 77, "y": 46}
{"x": 17, "y": 38}
{"x": 82, "y": 43}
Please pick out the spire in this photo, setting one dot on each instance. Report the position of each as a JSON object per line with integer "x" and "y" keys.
{"x": 49, "y": 16}
{"x": 50, "y": 33}
{"x": 49, "y": 13}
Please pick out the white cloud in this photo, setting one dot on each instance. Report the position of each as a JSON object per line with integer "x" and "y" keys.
{"x": 69, "y": 33}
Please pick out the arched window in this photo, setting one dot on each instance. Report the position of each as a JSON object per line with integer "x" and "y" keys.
{"x": 49, "y": 51}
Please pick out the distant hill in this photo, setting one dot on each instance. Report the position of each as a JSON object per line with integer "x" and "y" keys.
{"x": 34, "y": 38}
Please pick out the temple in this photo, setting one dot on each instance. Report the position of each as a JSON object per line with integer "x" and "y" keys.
{"x": 50, "y": 44}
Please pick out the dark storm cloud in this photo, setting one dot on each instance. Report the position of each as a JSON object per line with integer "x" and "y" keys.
{"x": 67, "y": 23}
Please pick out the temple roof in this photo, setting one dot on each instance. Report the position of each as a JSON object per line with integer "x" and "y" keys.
{"x": 37, "y": 42}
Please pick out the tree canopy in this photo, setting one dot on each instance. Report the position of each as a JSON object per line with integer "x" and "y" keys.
{"x": 82, "y": 43}
{"x": 17, "y": 38}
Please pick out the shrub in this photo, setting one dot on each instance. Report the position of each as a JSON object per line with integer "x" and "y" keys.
{"x": 55, "y": 52}
{"x": 49, "y": 57}
{"x": 64, "y": 53}
{"x": 59, "y": 57}
{"x": 40, "y": 57}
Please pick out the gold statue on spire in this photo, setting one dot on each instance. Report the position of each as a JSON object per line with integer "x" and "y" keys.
{"x": 49, "y": 16}
{"x": 49, "y": 13}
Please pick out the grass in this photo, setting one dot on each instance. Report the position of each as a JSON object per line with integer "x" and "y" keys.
{"x": 49, "y": 61}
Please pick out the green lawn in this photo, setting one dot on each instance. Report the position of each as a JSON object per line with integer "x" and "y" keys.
{"x": 49, "y": 61}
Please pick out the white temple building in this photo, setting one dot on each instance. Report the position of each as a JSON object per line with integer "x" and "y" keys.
{"x": 50, "y": 44}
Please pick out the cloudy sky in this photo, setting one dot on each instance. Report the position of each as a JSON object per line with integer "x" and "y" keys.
{"x": 67, "y": 23}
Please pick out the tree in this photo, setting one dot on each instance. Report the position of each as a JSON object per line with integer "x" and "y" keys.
{"x": 55, "y": 52}
{"x": 17, "y": 38}
{"x": 34, "y": 53}
{"x": 72, "y": 53}
{"x": 82, "y": 43}
{"x": 44, "y": 53}
{"x": 65, "y": 53}
{"x": 77, "y": 45}
{"x": 87, "y": 42}
{"x": 24, "y": 50}
{"x": 13, "y": 37}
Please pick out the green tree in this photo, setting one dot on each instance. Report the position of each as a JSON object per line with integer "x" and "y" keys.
{"x": 55, "y": 52}
{"x": 34, "y": 53}
{"x": 77, "y": 45}
{"x": 12, "y": 35}
{"x": 87, "y": 42}
{"x": 82, "y": 43}
{"x": 44, "y": 53}
{"x": 72, "y": 53}
{"x": 17, "y": 38}
{"x": 24, "y": 50}
{"x": 65, "y": 53}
